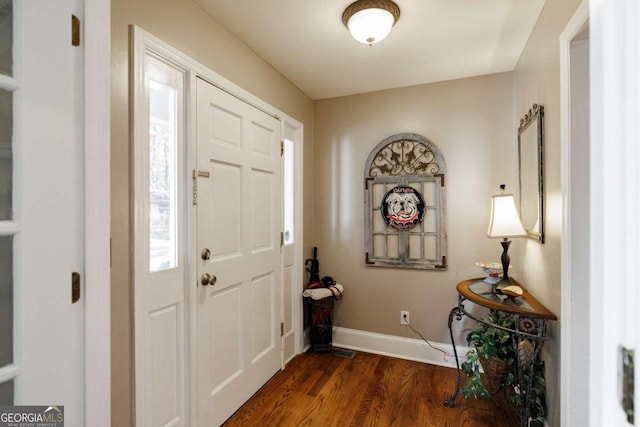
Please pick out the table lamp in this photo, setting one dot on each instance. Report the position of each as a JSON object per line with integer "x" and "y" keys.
{"x": 504, "y": 223}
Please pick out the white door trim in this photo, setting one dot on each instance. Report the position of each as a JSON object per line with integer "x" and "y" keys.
{"x": 571, "y": 30}
{"x": 295, "y": 130}
{"x": 298, "y": 227}
{"x": 97, "y": 289}
{"x": 144, "y": 40}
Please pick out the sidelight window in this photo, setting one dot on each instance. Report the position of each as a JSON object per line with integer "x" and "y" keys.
{"x": 164, "y": 85}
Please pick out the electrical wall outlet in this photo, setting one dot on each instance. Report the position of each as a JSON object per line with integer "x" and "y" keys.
{"x": 404, "y": 317}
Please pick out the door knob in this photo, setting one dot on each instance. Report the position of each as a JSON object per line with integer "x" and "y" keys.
{"x": 208, "y": 279}
{"x": 205, "y": 254}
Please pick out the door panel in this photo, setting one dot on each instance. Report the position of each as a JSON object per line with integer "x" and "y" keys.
{"x": 165, "y": 367}
{"x": 262, "y": 211}
{"x": 225, "y": 190}
{"x": 225, "y": 343}
{"x": 288, "y": 295}
{"x": 238, "y": 220}
{"x": 262, "y": 316}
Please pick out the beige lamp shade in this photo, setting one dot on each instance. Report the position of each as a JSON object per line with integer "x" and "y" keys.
{"x": 505, "y": 221}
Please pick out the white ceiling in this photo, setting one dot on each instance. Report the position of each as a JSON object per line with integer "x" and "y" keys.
{"x": 434, "y": 40}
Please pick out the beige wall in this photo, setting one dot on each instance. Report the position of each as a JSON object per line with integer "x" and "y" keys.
{"x": 470, "y": 120}
{"x": 537, "y": 80}
{"x": 182, "y": 24}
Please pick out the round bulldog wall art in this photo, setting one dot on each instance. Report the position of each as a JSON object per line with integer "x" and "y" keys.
{"x": 403, "y": 208}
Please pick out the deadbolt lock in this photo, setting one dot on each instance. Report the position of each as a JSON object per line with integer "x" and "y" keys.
{"x": 205, "y": 254}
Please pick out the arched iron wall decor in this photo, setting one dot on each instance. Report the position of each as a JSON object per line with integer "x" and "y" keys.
{"x": 404, "y": 193}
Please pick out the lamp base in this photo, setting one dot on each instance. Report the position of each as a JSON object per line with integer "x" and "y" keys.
{"x": 505, "y": 259}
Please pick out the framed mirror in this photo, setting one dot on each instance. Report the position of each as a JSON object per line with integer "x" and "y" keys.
{"x": 531, "y": 172}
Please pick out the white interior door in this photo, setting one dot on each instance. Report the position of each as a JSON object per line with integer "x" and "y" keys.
{"x": 41, "y": 207}
{"x": 238, "y": 249}
{"x": 614, "y": 207}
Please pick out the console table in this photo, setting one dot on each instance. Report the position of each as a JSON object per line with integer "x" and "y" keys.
{"x": 524, "y": 307}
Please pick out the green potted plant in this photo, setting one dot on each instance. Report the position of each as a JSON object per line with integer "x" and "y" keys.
{"x": 493, "y": 349}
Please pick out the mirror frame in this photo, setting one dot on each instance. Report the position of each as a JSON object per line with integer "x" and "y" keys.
{"x": 534, "y": 118}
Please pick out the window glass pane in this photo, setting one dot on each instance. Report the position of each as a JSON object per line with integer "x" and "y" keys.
{"x": 6, "y": 156}
{"x": 6, "y": 300}
{"x": 163, "y": 132}
{"x": 378, "y": 194}
{"x": 429, "y": 193}
{"x": 288, "y": 192}
{"x": 430, "y": 222}
{"x": 378, "y": 222}
{"x": 379, "y": 245}
{"x": 6, "y": 37}
{"x": 393, "y": 246}
{"x": 415, "y": 248}
{"x": 430, "y": 249}
{"x": 6, "y": 394}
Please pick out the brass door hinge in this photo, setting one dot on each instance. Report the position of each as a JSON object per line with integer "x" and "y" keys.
{"x": 281, "y": 239}
{"x": 281, "y": 148}
{"x": 75, "y": 287}
{"x": 627, "y": 400}
{"x": 281, "y": 329}
{"x": 75, "y": 31}
{"x": 194, "y": 187}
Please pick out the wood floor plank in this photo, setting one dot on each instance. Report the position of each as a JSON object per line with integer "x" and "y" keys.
{"x": 369, "y": 390}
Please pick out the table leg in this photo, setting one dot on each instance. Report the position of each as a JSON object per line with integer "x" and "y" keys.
{"x": 457, "y": 313}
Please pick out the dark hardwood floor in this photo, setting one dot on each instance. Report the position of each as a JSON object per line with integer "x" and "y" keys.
{"x": 369, "y": 390}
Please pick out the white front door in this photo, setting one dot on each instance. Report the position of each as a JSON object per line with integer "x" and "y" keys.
{"x": 238, "y": 250}
{"x": 41, "y": 207}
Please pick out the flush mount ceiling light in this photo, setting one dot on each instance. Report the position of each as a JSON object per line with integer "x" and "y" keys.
{"x": 370, "y": 21}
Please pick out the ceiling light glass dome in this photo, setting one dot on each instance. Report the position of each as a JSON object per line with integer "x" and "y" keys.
{"x": 370, "y": 21}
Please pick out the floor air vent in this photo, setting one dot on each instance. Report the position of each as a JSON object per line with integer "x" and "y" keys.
{"x": 341, "y": 352}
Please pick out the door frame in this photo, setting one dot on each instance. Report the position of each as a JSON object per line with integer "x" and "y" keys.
{"x": 568, "y": 305}
{"x": 295, "y": 131}
{"x": 143, "y": 41}
{"x": 97, "y": 203}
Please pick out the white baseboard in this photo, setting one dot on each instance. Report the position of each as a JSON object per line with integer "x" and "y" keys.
{"x": 403, "y": 348}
